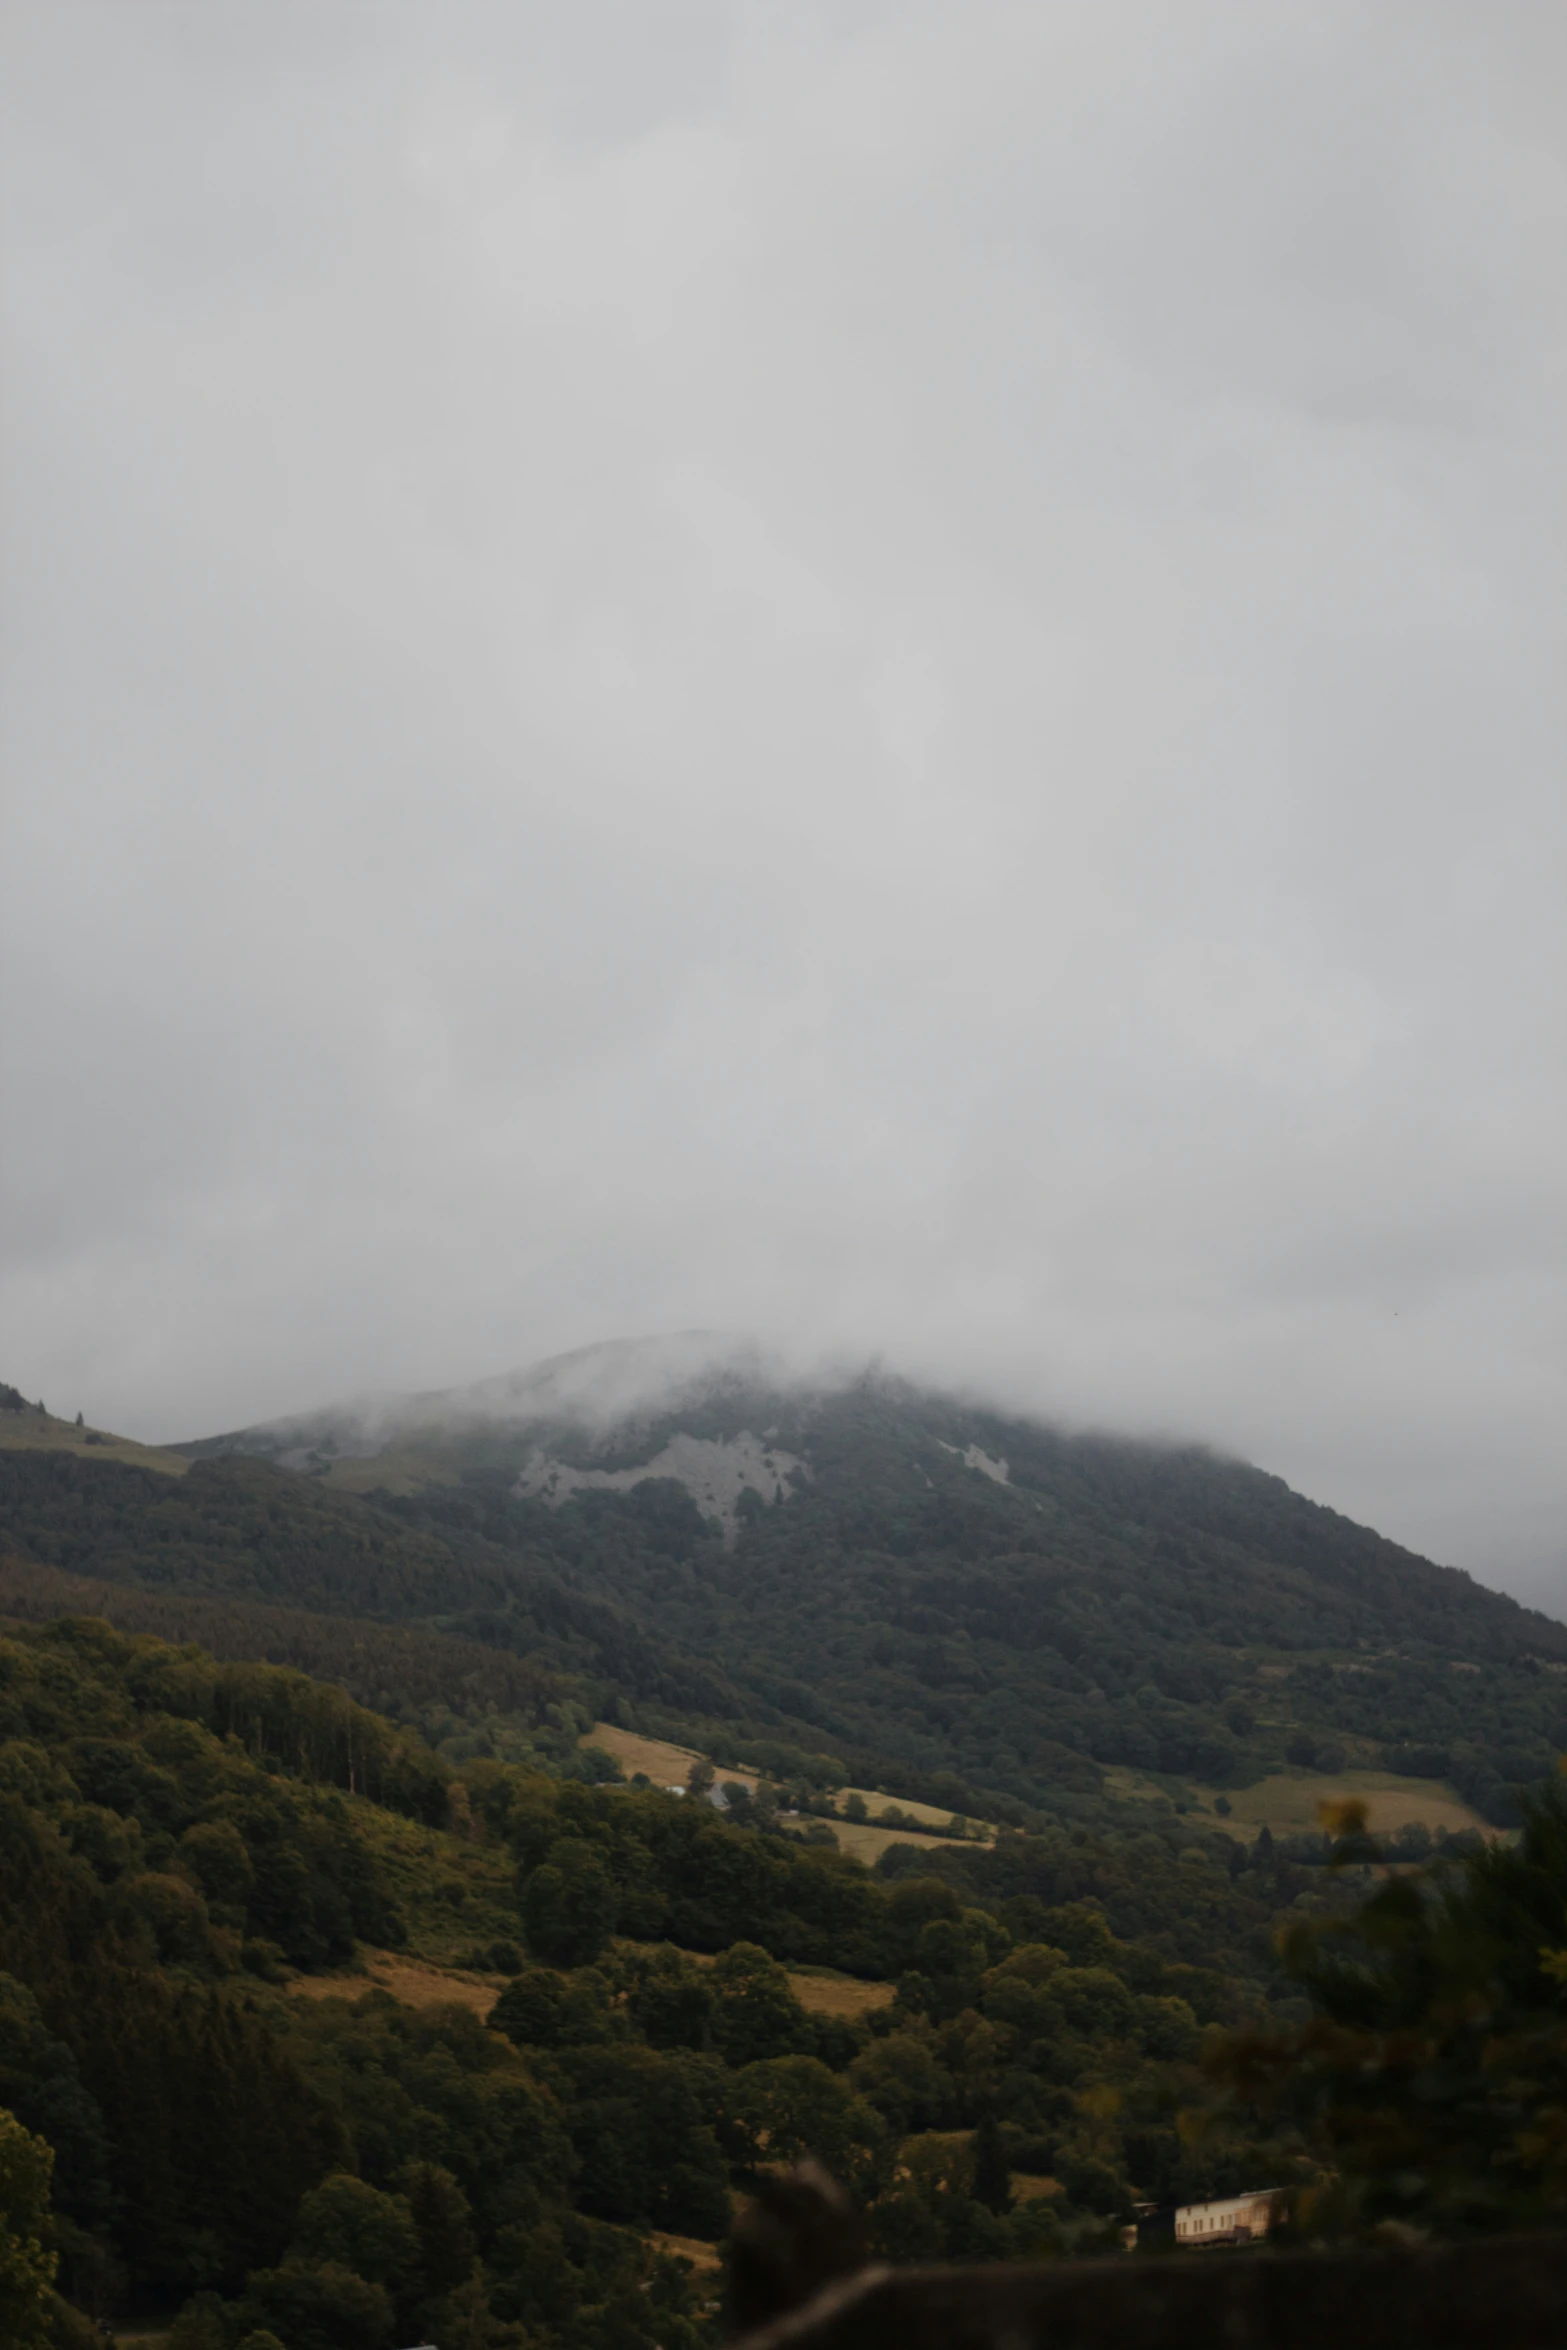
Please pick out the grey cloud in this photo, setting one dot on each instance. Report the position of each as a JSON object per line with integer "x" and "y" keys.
{"x": 885, "y": 675}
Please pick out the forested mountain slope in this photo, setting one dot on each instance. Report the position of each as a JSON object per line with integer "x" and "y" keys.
{"x": 180, "y": 1840}
{"x": 234, "y": 1533}
{"x": 977, "y": 1611}
{"x": 930, "y": 1588}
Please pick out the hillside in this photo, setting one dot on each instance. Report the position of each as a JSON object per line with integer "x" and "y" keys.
{"x": 973, "y": 1606}
{"x": 250, "y": 1933}
{"x": 369, "y": 2002}
{"x": 28, "y": 1427}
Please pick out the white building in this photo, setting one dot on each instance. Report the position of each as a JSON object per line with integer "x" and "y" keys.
{"x": 1235, "y": 2219}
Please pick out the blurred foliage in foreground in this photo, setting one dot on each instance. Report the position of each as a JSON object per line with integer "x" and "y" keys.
{"x": 1431, "y": 2079}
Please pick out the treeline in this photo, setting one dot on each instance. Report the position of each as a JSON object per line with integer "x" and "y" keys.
{"x": 397, "y": 1671}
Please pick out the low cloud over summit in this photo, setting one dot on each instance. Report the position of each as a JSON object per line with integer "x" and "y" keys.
{"x": 886, "y": 676}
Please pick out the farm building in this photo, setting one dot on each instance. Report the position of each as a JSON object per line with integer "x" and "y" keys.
{"x": 1234, "y": 2219}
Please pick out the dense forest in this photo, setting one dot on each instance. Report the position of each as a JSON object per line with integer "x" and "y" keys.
{"x": 180, "y": 1837}
{"x": 1066, "y": 2025}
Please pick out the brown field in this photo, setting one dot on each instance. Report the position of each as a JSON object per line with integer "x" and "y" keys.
{"x": 1287, "y": 1801}
{"x": 407, "y": 1979}
{"x": 820, "y": 1990}
{"x": 868, "y": 1843}
{"x": 843, "y": 1995}
{"x": 930, "y": 1813}
{"x": 705, "y": 2259}
{"x": 1028, "y": 2187}
{"x": 41, "y": 1432}
{"x": 664, "y": 1764}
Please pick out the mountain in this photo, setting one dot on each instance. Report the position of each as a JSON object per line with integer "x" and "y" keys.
{"x": 927, "y": 1585}
{"x": 851, "y": 1578}
{"x": 959, "y": 1605}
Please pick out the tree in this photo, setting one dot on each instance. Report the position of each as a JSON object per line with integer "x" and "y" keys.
{"x": 326, "y": 2307}
{"x": 930, "y": 2211}
{"x": 444, "y": 2224}
{"x": 215, "y": 1850}
{"x": 41, "y": 2085}
{"x": 645, "y": 2150}
{"x": 530, "y": 2009}
{"x": 672, "y": 2001}
{"x": 755, "y": 2012}
{"x": 1433, "y": 2075}
{"x": 1095, "y": 2002}
{"x": 348, "y": 2223}
{"x": 900, "y": 2077}
{"x": 568, "y": 1905}
{"x": 700, "y": 1776}
{"x": 793, "y": 2107}
{"x": 26, "y": 2269}
{"x": 855, "y": 1806}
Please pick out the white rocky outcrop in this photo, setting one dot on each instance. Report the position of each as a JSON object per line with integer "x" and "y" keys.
{"x": 715, "y": 1471}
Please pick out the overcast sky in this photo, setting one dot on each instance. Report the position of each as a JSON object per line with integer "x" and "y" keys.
{"x": 887, "y": 675}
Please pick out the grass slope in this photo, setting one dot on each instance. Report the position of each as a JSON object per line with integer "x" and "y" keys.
{"x": 32, "y": 1430}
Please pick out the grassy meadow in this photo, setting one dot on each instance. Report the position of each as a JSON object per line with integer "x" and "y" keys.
{"x": 33, "y": 1431}
{"x": 1288, "y": 1802}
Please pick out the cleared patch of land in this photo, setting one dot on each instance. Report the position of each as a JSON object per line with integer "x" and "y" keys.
{"x": 929, "y": 1814}
{"x": 1286, "y": 1801}
{"x": 705, "y": 2259}
{"x": 32, "y": 1431}
{"x": 666, "y": 1765}
{"x": 820, "y": 1989}
{"x": 845, "y": 1995}
{"x": 1028, "y": 2187}
{"x": 868, "y": 1843}
{"x": 407, "y": 1979}
{"x": 1289, "y": 1801}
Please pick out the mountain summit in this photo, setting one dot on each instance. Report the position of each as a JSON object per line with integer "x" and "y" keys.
{"x": 593, "y": 1394}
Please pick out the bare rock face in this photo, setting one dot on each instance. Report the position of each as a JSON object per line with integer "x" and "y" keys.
{"x": 602, "y": 1419}
{"x": 715, "y": 1471}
